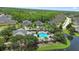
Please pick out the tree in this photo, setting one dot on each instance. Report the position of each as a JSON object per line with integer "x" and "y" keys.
{"x": 17, "y": 42}
{"x": 27, "y": 42}
{"x": 59, "y": 36}
{"x": 71, "y": 29}
{"x": 1, "y": 44}
{"x": 70, "y": 37}
{"x": 32, "y": 42}
{"x": 7, "y": 33}
{"x": 25, "y": 14}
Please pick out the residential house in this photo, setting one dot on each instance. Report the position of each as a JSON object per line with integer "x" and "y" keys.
{"x": 51, "y": 22}
{"x": 76, "y": 23}
{"x": 26, "y": 23}
{"x": 38, "y": 24}
{"x": 6, "y": 20}
{"x": 19, "y": 32}
{"x": 59, "y": 18}
{"x": 22, "y": 32}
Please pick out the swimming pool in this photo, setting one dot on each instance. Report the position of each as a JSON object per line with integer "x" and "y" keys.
{"x": 43, "y": 35}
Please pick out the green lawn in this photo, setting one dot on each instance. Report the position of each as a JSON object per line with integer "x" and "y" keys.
{"x": 77, "y": 34}
{"x": 66, "y": 31}
{"x": 3, "y": 27}
{"x": 18, "y": 25}
{"x": 54, "y": 46}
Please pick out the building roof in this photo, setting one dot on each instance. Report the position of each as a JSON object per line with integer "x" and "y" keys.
{"x": 76, "y": 20}
{"x": 71, "y": 16}
{"x": 5, "y": 19}
{"x": 51, "y": 22}
{"x": 76, "y": 23}
{"x": 38, "y": 23}
{"x": 77, "y": 29}
{"x": 19, "y": 32}
{"x": 59, "y": 18}
{"x": 27, "y": 22}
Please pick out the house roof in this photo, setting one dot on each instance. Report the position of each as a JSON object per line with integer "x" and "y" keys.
{"x": 27, "y": 22}
{"x": 5, "y": 19}
{"x": 38, "y": 23}
{"x": 19, "y": 32}
{"x": 59, "y": 18}
{"x": 77, "y": 29}
{"x": 76, "y": 20}
{"x": 76, "y": 23}
{"x": 71, "y": 16}
{"x": 51, "y": 22}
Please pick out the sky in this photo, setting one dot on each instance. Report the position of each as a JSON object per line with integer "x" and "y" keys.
{"x": 67, "y": 5}
{"x": 57, "y": 8}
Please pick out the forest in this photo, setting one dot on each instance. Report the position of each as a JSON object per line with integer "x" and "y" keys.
{"x": 29, "y": 14}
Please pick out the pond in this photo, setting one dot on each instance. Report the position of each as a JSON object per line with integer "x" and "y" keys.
{"x": 74, "y": 45}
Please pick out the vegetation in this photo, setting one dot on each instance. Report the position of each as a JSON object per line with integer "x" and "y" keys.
{"x": 77, "y": 34}
{"x": 28, "y": 14}
{"x": 29, "y": 42}
{"x": 70, "y": 31}
{"x": 7, "y": 33}
{"x": 59, "y": 36}
{"x": 6, "y": 36}
{"x": 32, "y": 45}
{"x": 55, "y": 46}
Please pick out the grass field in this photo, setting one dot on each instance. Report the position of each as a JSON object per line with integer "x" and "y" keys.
{"x": 66, "y": 31}
{"x": 3, "y": 27}
{"x": 54, "y": 46}
{"x": 77, "y": 34}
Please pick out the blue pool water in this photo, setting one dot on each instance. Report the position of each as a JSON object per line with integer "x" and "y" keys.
{"x": 43, "y": 35}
